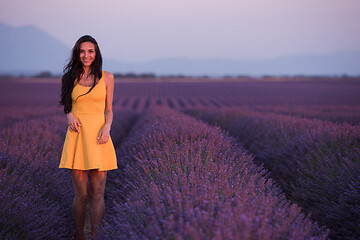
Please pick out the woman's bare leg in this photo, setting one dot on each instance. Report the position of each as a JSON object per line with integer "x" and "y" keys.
{"x": 80, "y": 183}
{"x": 97, "y": 190}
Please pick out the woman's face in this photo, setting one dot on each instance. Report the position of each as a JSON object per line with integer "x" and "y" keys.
{"x": 87, "y": 53}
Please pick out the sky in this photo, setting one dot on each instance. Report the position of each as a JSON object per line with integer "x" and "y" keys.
{"x": 142, "y": 30}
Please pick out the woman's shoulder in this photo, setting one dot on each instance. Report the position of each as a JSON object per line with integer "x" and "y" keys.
{"x": 108, "y": 74}
{"x": 108, "y": 77}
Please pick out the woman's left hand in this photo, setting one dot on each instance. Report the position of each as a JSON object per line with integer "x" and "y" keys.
{"x": 104, "y": 135}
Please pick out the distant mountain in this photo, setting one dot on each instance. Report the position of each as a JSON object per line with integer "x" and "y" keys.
{"x": 29, "y": 50}
{"x": 340, "y": 63}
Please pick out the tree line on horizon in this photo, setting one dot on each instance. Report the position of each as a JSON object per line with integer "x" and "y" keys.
{"x": 149, "y": 75}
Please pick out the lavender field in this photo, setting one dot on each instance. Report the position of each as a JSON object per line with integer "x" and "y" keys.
{"x": 198, "y": 159}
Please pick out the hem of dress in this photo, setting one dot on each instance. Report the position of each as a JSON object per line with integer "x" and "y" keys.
{"x": 100, "y": 170}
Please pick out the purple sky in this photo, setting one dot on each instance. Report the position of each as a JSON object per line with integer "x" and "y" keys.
{"x": 134, "y": 30}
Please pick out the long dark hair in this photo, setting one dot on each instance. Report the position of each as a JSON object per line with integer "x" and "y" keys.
{"x": 74, "y": 69}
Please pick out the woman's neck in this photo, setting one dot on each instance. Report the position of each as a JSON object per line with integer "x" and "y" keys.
{"x": 87, "y": 71}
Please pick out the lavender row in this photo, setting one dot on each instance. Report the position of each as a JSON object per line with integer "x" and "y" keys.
{"x": 315, "y": 162}
{"x": 182, "y": 179}
{"x": 335, "y": 113}
{"x": 123, "y": 121}
{"x": 331, "y": 99}
{"x": 36, "y": 195}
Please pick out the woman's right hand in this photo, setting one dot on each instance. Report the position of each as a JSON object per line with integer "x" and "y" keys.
{"x": 73, "y": 122}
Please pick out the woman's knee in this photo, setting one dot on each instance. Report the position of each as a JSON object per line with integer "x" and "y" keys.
{"x": 80, "y": 183}
{"x": 97, "y": 193}
{"x": 82, "y": 195}
{"x": 97, "y": 185}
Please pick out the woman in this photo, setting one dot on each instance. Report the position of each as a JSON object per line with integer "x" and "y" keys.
{"x": 87, "y": 95}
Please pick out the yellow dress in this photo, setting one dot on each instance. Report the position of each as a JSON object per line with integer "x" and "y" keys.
{"x": 80, "y": 150}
